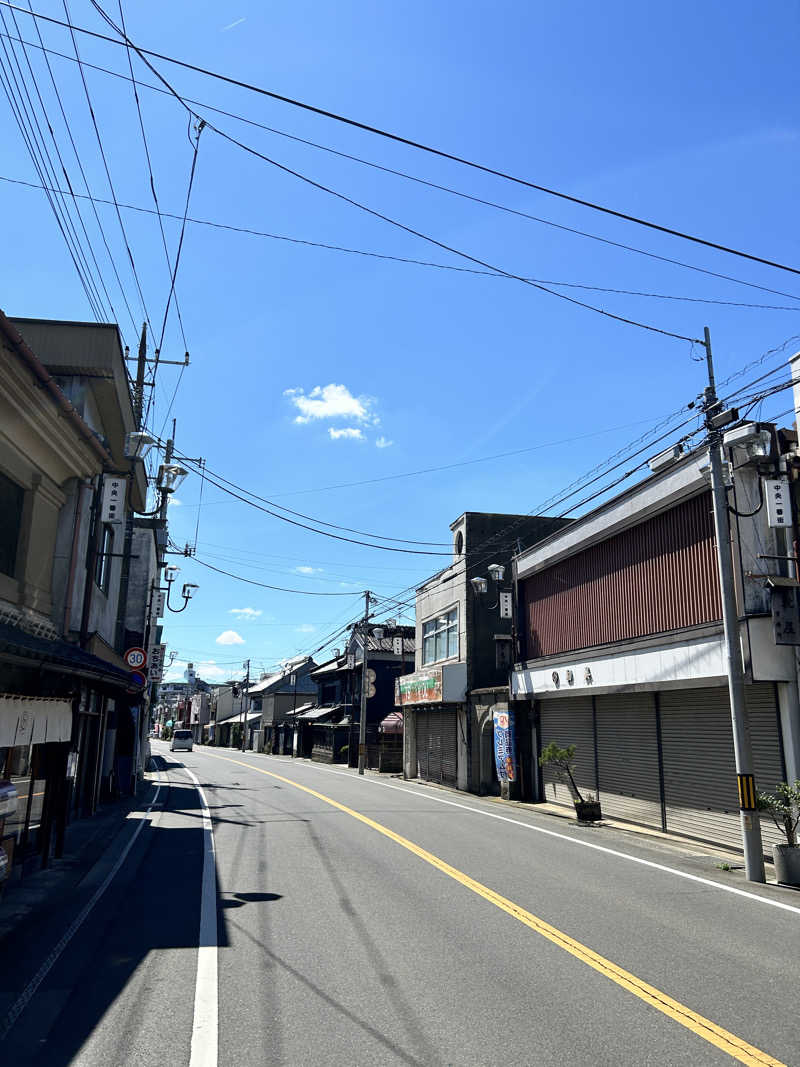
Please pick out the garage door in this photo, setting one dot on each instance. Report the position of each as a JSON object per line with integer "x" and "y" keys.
{"x": 699, "y": 766}
{"x": 568, "y": 722}
{"x": 627, "y": 758}
{"x": 437, "y": 746}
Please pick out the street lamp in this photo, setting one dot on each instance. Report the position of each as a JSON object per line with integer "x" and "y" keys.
{"x": 170, "y": 477}
{"x": 138, "y": 444}
{"x": 170, "y": 574}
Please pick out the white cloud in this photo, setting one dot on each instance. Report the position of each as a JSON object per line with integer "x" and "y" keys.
{"x": 382, "y": 442}
{"x": 173, "y": 502}
{"x": 351, "y": 433}
{"x": 245, "y": 613}
{"x": 306, "y": 628}
{"x": 331, "y": 402}
{"x": 231, "y": 25}
{"x": 305, "y": 569}
{"x": 230, "y": 637}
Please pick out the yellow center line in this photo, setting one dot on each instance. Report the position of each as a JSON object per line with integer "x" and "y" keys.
{"x": 731, "y": 1044}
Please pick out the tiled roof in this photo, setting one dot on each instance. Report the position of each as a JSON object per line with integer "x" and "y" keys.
{"x": 61, "y": 653}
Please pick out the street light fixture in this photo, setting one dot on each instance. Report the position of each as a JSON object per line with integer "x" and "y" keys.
{"x": 496, "y": 571}
{"x": 170, "y": 574}
{"x": 479, "y": 585}
{"x": 138, "y": 444}
{"x": 170, "y": 477}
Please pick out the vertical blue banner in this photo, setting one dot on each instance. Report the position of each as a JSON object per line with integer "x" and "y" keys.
{"x": 505, "y": 756}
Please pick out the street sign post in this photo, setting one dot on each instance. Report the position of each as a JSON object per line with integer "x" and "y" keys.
{"x": 136, "y": 658}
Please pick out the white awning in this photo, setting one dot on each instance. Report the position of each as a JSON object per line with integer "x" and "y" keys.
{"x": 33, "y": 719}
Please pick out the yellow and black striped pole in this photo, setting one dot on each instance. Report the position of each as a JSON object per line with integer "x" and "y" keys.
{"x": 747, "y": 792}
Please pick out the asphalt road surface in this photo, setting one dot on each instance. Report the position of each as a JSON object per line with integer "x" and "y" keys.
{"x": 358, "y": 921}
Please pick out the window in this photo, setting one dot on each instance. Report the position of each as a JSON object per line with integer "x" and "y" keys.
{"x": 102, "y": 571}
{"x": 11, "y": 500}
{"x": 440, "y": 637}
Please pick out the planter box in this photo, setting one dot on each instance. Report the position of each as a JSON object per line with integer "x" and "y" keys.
{"x": 588, "y": 810}
{"x": 787, "y": 864}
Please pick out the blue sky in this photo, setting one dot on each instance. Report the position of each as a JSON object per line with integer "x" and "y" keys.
{"x": 686, "y": 114}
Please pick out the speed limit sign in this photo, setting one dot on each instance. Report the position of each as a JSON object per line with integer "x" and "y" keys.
{"x": 136, "y": 658}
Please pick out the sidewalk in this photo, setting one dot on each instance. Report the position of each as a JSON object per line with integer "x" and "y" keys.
{"x": 26, "y": 899}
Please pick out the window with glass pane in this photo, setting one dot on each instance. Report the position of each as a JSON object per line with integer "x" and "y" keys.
{"x": 440, "y": 637}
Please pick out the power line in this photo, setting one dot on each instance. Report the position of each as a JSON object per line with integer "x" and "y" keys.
{"x": 399, "y": 139}
{"x": 105, "y": 164}
{"x": 263, "y": 585}
{"x": 26, "y": 119}
{"x": 150, "y": 172}
{"x": 313, "y": 529}
{"x": 429, "y": 184}
{"x": 250, "y": 232}
{"x": 313, "y": 518}
{"x": 371, "y": 211}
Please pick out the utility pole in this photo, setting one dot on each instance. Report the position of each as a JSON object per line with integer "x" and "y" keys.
{"x": 750, "y": 822}
{"x": 362, "y": 722}
{"x": 242, "y": 713}
{"x": 167, "y": 459}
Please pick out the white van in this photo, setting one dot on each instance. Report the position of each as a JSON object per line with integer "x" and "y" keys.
{"x": 182, "y": 740}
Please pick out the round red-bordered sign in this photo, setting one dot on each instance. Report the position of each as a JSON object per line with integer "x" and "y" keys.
{"x": 136, "y": 658}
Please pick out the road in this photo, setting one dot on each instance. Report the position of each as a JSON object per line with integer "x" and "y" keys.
{"x": 366, "y": 921}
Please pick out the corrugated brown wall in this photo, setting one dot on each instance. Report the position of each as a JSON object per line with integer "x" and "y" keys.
{"x": 657, "y": 576}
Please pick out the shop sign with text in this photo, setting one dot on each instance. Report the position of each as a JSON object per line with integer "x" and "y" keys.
{"x": 422, "y": 687}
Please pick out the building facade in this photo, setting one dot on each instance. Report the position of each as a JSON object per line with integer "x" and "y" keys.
{"x": 621, "y": 649}
{"x": 463, "y": 652}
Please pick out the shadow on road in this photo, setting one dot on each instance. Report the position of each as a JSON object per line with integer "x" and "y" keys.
{"x": 152, "y": 906}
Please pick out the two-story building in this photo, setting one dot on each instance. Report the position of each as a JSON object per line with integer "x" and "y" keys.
{"x": 622, "y": 651}
{"x": 330, "y": 731}
{"x": 463, "y": 652}
{"x": 60, "y": 674}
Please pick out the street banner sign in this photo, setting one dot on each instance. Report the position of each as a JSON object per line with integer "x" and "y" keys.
{"x": 112, "y": 504}
{"x": 504, "y": 745}
{"x": 136, "y": 658}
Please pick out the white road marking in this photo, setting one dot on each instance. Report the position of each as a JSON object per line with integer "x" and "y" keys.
{"x": 561, "y": 837}
{"x": 27, "y": 994}
{"x": 205, "y": 1024}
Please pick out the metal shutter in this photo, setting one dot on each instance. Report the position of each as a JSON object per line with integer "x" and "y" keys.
{"x": 627, "y": 754}
{"x": 762, "y": 714}
{"x": 568, "y": 721}
{"x": 423, "y": 731}
{"x": 449, "y": 735}
{"x": 699, "y": 767}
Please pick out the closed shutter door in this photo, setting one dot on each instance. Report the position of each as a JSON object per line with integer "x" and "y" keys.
{"x": 449, "y": 734}
{"x": 627, "y": 755}
{"x": 699, "y": 766}
{"x": 423, "y": 733}
{"x": 568, "y": 722}
{"x": 762, "y": 714}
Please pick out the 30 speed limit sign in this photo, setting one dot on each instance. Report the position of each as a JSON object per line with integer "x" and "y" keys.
{"x": 136, "y": 658}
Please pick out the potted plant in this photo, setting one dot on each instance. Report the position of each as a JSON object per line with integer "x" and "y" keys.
{"x": 784, "y": 807}
{"x": 587, "y": 808}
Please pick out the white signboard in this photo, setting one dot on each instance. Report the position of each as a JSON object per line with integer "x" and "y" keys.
{"x": 505, "y": 605}
{"x": 397, "y": 646}
{"x": 159, "y": 603}
{"x": 779, "y": 510}
{"x": 112, "y": 504}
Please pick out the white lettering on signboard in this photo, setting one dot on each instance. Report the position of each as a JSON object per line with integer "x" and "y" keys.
{"x": 779, "y": 510}
{"x": 112, "y": 506}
